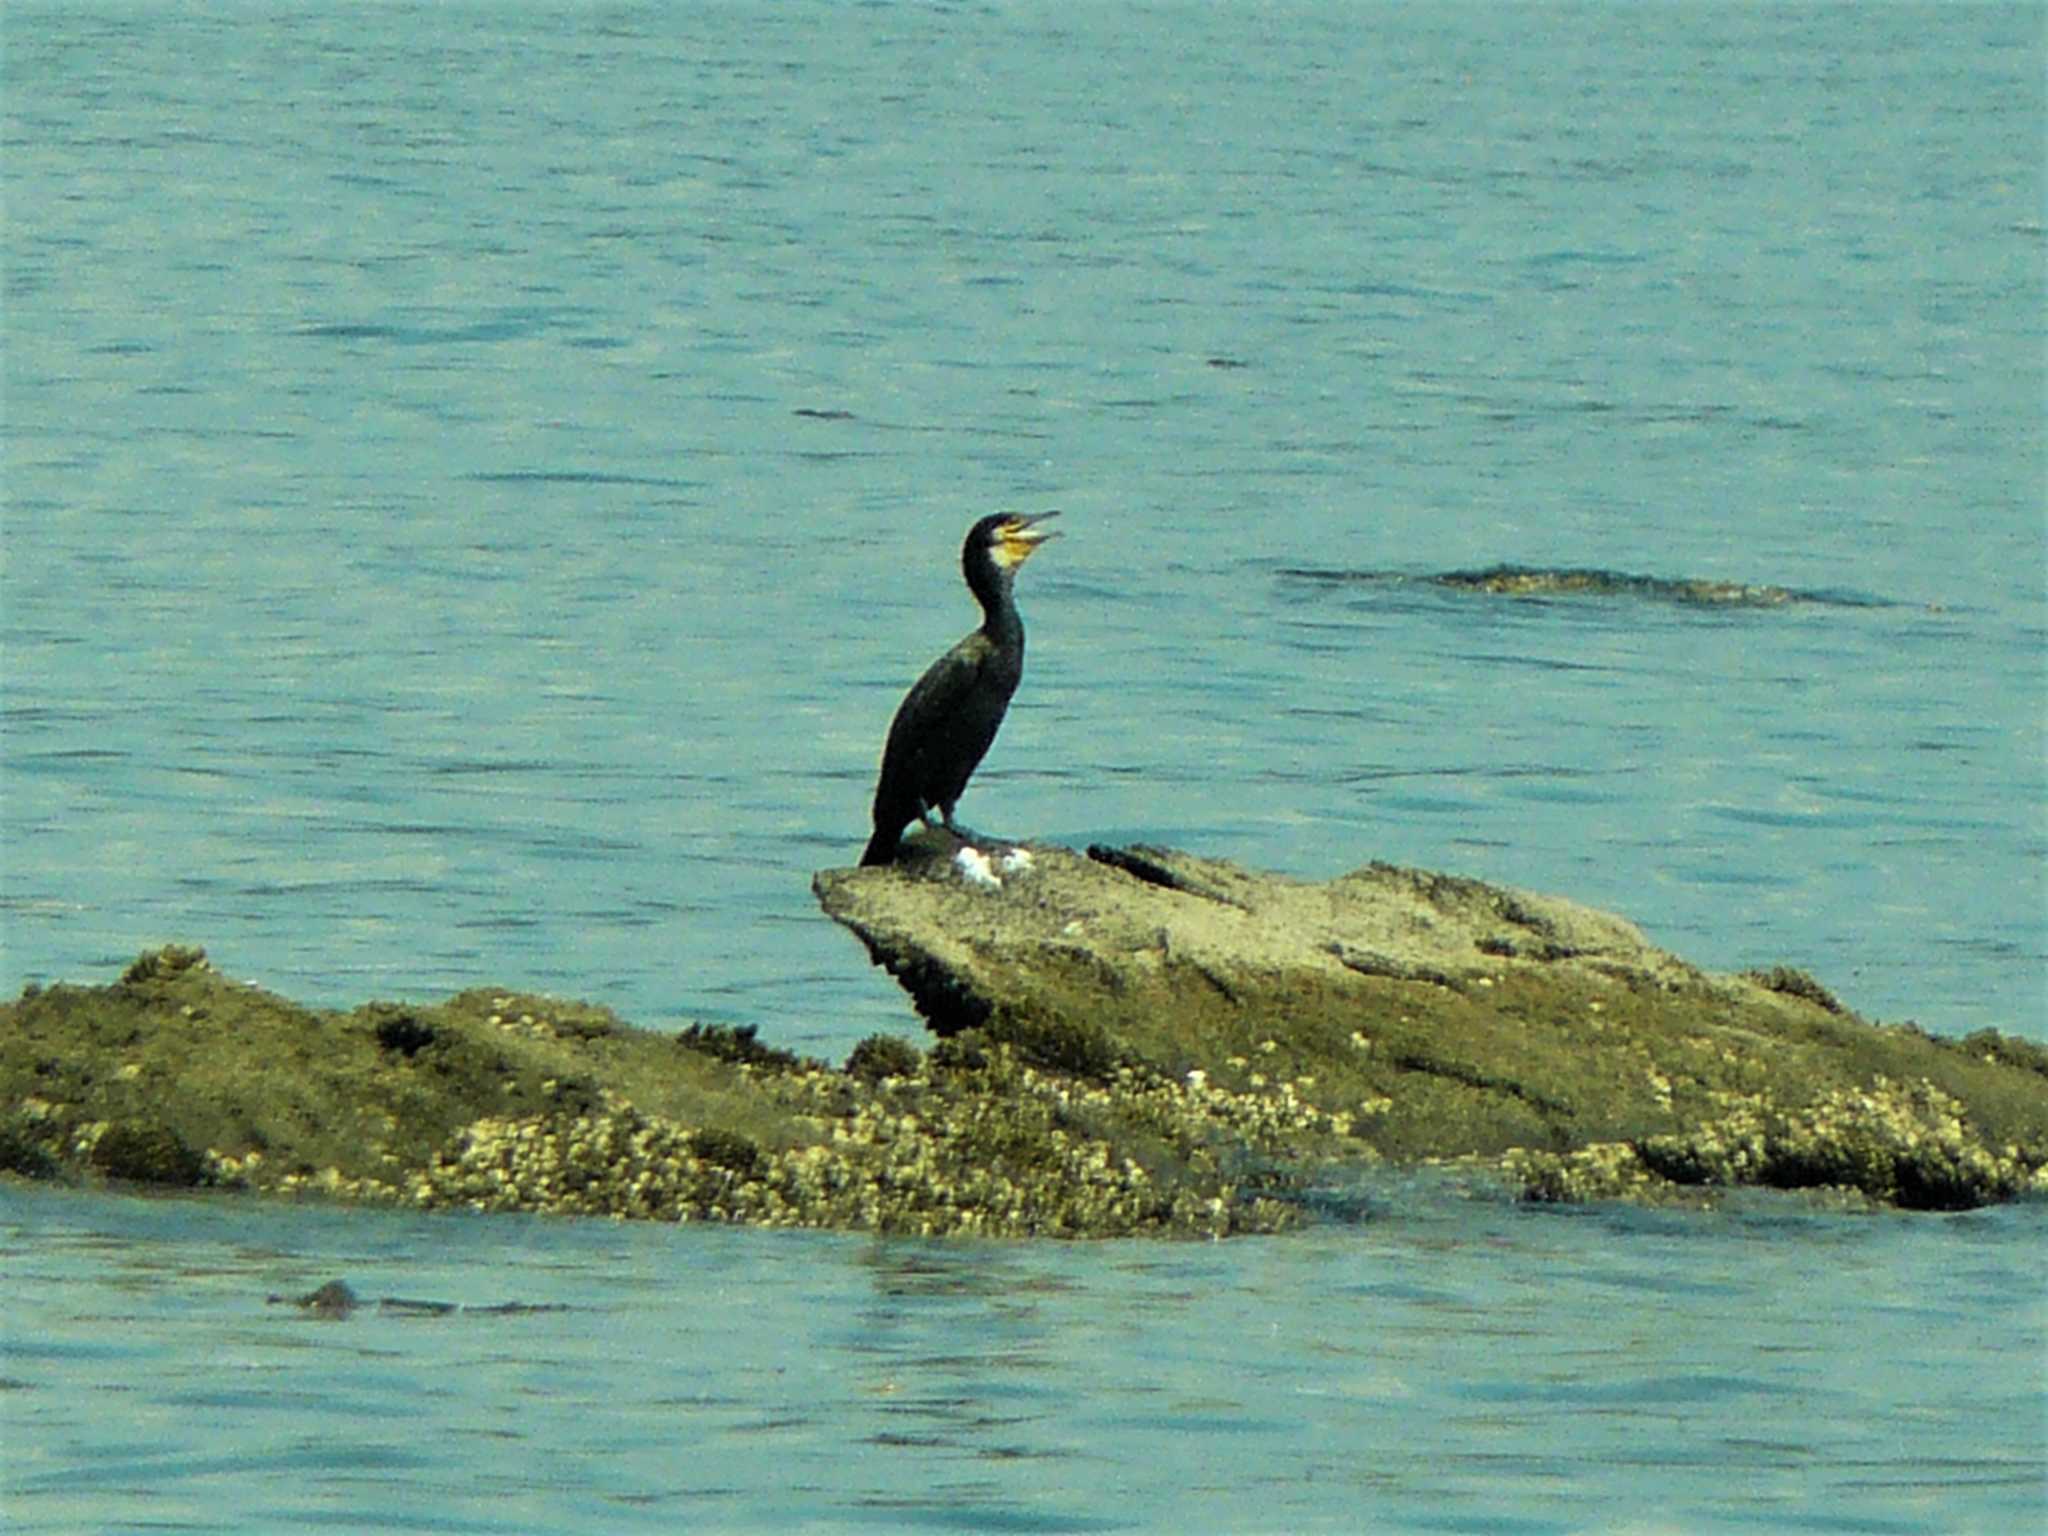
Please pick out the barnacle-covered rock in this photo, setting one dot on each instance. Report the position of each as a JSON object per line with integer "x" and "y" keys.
{"x": 1131, "y": 1042}
{"x": 1420, "y": 1017}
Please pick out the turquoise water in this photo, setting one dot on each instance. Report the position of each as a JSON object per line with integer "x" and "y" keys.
{"x": 478, "y": 480}
{"x": 1444, "y": 1367}
{"x": 420, "y": 570}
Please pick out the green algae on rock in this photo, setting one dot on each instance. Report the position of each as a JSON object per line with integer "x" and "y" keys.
{"x": 1908, "y": 1145}
{"x": 1418, "y": 1017}
{"x": 1132, "y": 1042}
{"x": 503, "y": 1101}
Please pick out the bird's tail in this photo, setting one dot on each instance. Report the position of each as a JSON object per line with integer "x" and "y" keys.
{"x": 881, "y": 848}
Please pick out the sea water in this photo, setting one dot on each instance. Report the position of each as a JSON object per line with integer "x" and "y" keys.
{"x": 1445, "y": 1366}
{"x": 478, "y": 479}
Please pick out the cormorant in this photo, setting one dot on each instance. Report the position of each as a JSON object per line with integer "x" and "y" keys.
{"x": 946, "y": 722}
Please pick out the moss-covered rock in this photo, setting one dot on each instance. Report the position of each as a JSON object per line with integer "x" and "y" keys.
{"x": 141, "y": 1153}
{"x": 881, "y": 1056}
{"x": 1413, "y": 1016}
{"x": 504, "y": 1101}
{"x": 1136, "y": 1042}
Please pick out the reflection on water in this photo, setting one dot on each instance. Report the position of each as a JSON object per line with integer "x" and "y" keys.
{"x": 1444, "y": 1363}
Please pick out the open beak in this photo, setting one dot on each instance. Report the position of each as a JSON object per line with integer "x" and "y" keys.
{"x": 1021, "y": 535}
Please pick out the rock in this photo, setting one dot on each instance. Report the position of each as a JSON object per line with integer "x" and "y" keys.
{"x": 502, "y": 1101}
{"x": 138, "y": 1152}
{"x": 1526, "y": 582}
{"x": 1134, "y": 1042}
{"x": 336, "y": 1301}
{"x": 333, "y": 1300}
{"x": 163, "y": 964}
{"x": 1427, "y": 1017}
{"x": 881, "y": 1056}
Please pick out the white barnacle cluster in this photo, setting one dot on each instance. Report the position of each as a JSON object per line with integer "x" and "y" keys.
{"x": 1897, "y": 1143}
{"x": 232, "y": 1170}
{"x": 1193, "y": 1107}
{"x": 523, "y": 1023}
{"x": 1601, "y": 1170}
{"x": 333, "y": 1184}
{"x": 1030, "y": 1115}
{"x": 614, "y": 1161}
{"x": 905, "y": 1155}
{"x": 540, "y": 1018}
{"x": 86, "y": 1137}
{"x": 1907, "y": 1142}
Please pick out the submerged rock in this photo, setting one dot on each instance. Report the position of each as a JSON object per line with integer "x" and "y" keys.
{"x": 336, "y": 1301}
{"x": 1530, "y": 581}
{"x": 1524, "y": 581}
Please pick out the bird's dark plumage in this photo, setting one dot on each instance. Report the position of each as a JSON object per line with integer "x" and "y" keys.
{"x": 945, "y": 723}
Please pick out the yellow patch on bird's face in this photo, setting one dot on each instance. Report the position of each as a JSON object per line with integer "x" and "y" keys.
{"x": 1016, "y": 540}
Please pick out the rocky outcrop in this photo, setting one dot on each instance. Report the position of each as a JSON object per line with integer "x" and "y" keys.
{"x": 1411, "y": 1016}
{"x": 502, "y": 1101}
{"x": 1131, "y": 1042}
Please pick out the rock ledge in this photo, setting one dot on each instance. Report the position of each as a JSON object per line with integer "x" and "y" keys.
{"x": 1418, "y": 1016}
{"x": 1132, "y": 1042}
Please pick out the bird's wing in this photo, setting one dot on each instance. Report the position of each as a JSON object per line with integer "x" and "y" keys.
{"x": 946, "y": 686}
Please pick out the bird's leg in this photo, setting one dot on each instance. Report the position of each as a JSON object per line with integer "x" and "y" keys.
{"x": 966, "y": 835}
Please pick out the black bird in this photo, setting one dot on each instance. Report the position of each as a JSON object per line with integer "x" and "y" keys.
{"x": 945, "y": 724}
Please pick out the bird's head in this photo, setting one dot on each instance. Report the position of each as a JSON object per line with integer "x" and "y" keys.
{"x": 1008, "y": 538}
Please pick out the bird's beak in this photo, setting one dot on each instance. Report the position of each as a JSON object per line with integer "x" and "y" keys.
{"x": 1021, "y": 535}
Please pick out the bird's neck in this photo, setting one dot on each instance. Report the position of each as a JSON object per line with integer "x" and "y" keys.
{"x": 999, "y": 618}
